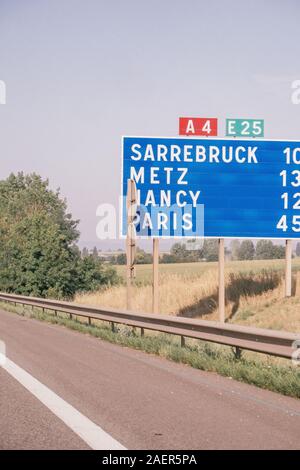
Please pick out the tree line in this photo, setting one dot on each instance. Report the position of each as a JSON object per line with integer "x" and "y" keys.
{"x": 238, "y": 250}
{"x": 185, "y": 252}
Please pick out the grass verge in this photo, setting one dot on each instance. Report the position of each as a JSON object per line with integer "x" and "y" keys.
{"x": 256, "y": 369}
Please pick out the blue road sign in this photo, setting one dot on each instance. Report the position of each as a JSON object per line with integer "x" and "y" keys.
{"x": 222, "y": 188}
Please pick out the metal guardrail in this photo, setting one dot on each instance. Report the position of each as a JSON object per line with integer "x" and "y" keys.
{"x": 276, "y": 343}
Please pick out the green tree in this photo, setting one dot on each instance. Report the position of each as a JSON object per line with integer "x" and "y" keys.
{"x": 179, "y": 252}
{"x": 142, "y": 257}
{"x": 121, "y": 258}
{"x": 85, "y": 252}
{"x": 210, "y": 250}
{"x": 278, "y": 252}
{"x": 166, "y": 258}
{"x": 38, "y": 251}
{"x": 246, "y": 250}
{"x": 265, "y": 249}
{"x": 92, "y": 273}
{"x": 95, "y": 253}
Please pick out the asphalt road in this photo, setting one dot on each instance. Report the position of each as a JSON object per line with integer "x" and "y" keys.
{"x": 142, "y": 401}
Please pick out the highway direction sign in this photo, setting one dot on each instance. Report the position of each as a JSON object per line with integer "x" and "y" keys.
{"x": 198, "y": 126}
{"x": 245, "y": 128}
{"x": 238, "y": 188}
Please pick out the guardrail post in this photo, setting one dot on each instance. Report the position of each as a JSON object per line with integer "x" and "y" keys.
{"x": 112, "y": 327}
{"x": 288, "y": 268}
{"x": 182, "y": 341}
{"x": 221, "y": 280}
{"x": 237, "y": 352}
{"x": 142, "y": 331}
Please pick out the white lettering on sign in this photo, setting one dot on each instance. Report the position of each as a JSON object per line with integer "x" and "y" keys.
{"x": 190, "y": 127}
{"x": 183, "y": 173}
{"x": 163, "y": 198}
{"x": 147, "y": 223}
{"x": 187, "y": 221}
{"x": 292, "y": 155}
{"x": 165, "y": 167}
{"x": 162, "y": 222}
{"x": 195, "y": 153}
{"x": 157, "y": 175}
{"x": 231, "y": 127}
{"x": 138, "y": 177}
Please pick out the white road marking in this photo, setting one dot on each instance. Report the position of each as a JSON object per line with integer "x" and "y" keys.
{"x": 89, "y": 432}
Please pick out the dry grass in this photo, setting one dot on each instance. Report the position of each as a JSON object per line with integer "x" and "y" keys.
{"x": 271, "y": 310}
{"x": 175, "y": 293}
{"x": 254, "y": 294}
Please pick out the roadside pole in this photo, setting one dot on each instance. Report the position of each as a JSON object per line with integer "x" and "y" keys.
{"x": 130, "y": 240}
{"x": 221, "y": 265}
{"x": 155, "y": 293}
{"x": 298, "y": 284}
{"x": 288, "y": 268}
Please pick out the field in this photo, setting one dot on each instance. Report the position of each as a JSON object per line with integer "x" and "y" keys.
{"x": 254, "y": 292}
{"x": 192, "y": 270}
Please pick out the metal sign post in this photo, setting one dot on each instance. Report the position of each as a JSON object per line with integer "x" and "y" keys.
{"x": 155, "y": 293}
{"x": 130, "y": 239}
{"x": 288, "y": 268}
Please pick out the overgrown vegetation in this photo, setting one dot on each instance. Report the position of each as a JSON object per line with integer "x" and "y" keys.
{"x": 265, "y": 372}
{"x": 38, "y": 251}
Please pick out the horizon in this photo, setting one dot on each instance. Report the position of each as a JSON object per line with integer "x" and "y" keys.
{"x": 131, "y": 71}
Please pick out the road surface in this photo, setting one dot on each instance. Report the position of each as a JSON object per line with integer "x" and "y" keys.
{"x": 65, "y": 390}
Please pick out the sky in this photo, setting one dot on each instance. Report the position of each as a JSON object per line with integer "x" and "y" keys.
{"x": 79, "y": 74}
